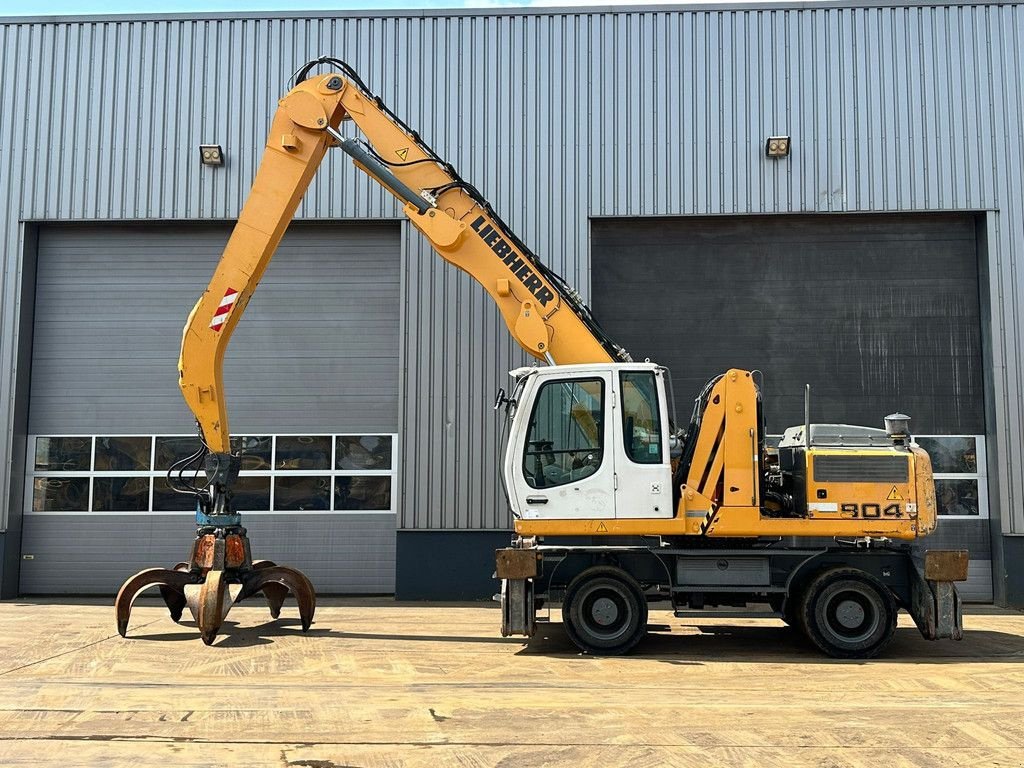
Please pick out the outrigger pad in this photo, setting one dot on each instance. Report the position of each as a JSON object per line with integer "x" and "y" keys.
{"x": 935, "y": 606}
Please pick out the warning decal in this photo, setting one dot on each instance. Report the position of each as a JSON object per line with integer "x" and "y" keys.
{"x": 602, "y": 527}
{"x": 224, "y": 309}
{"x": 894, "y": 495}
{"x": 402, "y": 153}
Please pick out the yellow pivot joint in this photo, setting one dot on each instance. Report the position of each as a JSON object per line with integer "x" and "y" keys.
{"x": 439, "y": 227}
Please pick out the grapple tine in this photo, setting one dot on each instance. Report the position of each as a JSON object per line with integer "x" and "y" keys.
{"x": 295, "y": 581}
{"x": 141, "y": 581}
{"x": 211, "y": 610}
{"x": 275, "y": 594}
{"x": 175, "y": 600}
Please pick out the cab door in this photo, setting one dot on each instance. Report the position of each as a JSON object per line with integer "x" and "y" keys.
{"x": 560, "y": 457}
{"x": 644, "y": 482}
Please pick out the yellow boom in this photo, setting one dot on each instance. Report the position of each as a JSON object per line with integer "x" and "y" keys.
{"x": 544, "y": 315}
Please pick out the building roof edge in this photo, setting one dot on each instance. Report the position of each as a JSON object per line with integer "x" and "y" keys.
{"x": 699, "y": 7}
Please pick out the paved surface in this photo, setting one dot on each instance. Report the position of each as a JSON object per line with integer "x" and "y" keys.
{"x": 376, "y": 683}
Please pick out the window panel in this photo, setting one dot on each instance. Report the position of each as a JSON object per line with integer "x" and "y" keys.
{"x": 951, "y": 454}
{"x": 641, "y": 418}
{"x": 60, "y": 494}
{"x": 63, "y": 454}
{"x": 299, "y": 453}
{"x": 166, "y": 500}
{"x": 297, "y": 494}
{"x": 255, "y": 456}
{"x": 128, "y": 474}
{"x": 120, "y": 494}
{"x": 363, "y": 452}
{"x": 172, "y": 449}
{"x": 252, "y": 494}
{"x": 255, "y": 451}
{"x": 957, "y": 498}
{"x": 354, "y": 493}
{"x": 566, "y": 433}
{"x": 123, "y": 454}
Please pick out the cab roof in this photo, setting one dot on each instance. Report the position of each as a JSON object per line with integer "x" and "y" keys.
{"x": 583, "y": 368}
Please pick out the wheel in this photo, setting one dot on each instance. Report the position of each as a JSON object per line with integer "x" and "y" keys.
{"x": 848, "y": 614}
{"x": 605, "y": 611}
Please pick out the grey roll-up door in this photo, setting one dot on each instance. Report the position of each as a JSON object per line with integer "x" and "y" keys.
{"x": 317, "y": 352}
{"x": 877, "y": 313}
{"x": 318, "y": 344}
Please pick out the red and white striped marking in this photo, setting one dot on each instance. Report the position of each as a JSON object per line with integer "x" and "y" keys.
{"x": 221, "y": 315}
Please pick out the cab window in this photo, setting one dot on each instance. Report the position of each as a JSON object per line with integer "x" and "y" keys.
{"x": 565, "y": 439}
{"x": 641, "y": 418}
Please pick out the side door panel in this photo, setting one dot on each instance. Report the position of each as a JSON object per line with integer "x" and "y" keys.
{"x": 644, "y": 487}
{"x": 560, "y": 462}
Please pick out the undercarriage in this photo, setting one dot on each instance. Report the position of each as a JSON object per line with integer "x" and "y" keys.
{"x": 844, "y": 597}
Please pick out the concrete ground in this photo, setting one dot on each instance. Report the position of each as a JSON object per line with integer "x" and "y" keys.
{"x": 378, "y": 683}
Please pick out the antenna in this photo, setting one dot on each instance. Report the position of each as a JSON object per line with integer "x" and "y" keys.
{"x": 807, "y": 415}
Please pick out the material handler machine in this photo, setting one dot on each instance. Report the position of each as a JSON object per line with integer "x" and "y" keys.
{"x": 613, "y": 506}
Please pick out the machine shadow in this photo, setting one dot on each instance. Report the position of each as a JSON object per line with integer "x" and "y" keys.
{"x": 232, "y": 635}
{"x": 433, "y": 638}
{"x": 782, "y": 644}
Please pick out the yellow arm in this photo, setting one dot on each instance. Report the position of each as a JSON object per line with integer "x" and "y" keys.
{"x": 544, "y": 315}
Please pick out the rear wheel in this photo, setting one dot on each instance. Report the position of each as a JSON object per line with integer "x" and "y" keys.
{"x": 604, "y": 611}
{"x": 848, "y": 614}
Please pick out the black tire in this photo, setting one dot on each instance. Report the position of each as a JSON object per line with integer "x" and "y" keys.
{"x": 848, "y": 614}
{"x": 604, "y": 611}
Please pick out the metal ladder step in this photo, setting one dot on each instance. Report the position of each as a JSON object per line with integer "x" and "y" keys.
{"x": 708, "y": 613}
{"x": 730, "y": 588}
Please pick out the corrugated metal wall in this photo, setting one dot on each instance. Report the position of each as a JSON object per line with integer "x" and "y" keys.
{"x": 348, "y": 553}
{"x": 557, "y": 116}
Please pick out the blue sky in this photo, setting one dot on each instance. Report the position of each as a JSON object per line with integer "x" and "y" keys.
{"x": 76, "y": 7}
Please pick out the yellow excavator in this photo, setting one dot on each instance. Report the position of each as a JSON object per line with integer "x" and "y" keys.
{"x": 706, "y": 519}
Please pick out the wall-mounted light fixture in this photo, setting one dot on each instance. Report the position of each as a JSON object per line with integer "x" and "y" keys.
{"x": 777, "y": 146}
{"x": 211, "y": 154}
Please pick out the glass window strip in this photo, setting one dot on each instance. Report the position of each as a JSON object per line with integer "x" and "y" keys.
{"x": 333, "y": 464}
{"x": 152, "y": 467}
{"x": 154, "y": 475}
{"x": 983, "y": 510}
{"x": 980, "y": 477}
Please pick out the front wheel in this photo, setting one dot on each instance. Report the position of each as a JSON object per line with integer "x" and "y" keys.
{"x": 848, "y": 614}
{"x": 605, "y": 611}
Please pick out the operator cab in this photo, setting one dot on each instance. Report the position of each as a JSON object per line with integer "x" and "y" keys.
{"x": 590, "y": 442}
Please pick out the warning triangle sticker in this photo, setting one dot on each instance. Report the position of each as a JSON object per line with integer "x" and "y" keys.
{"x": 894, "y": 495}
{"x": 602, "y": 527}
{"x": 402, "y": 153}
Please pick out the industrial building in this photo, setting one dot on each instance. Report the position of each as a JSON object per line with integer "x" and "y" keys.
{"x": 830, "y": 194}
